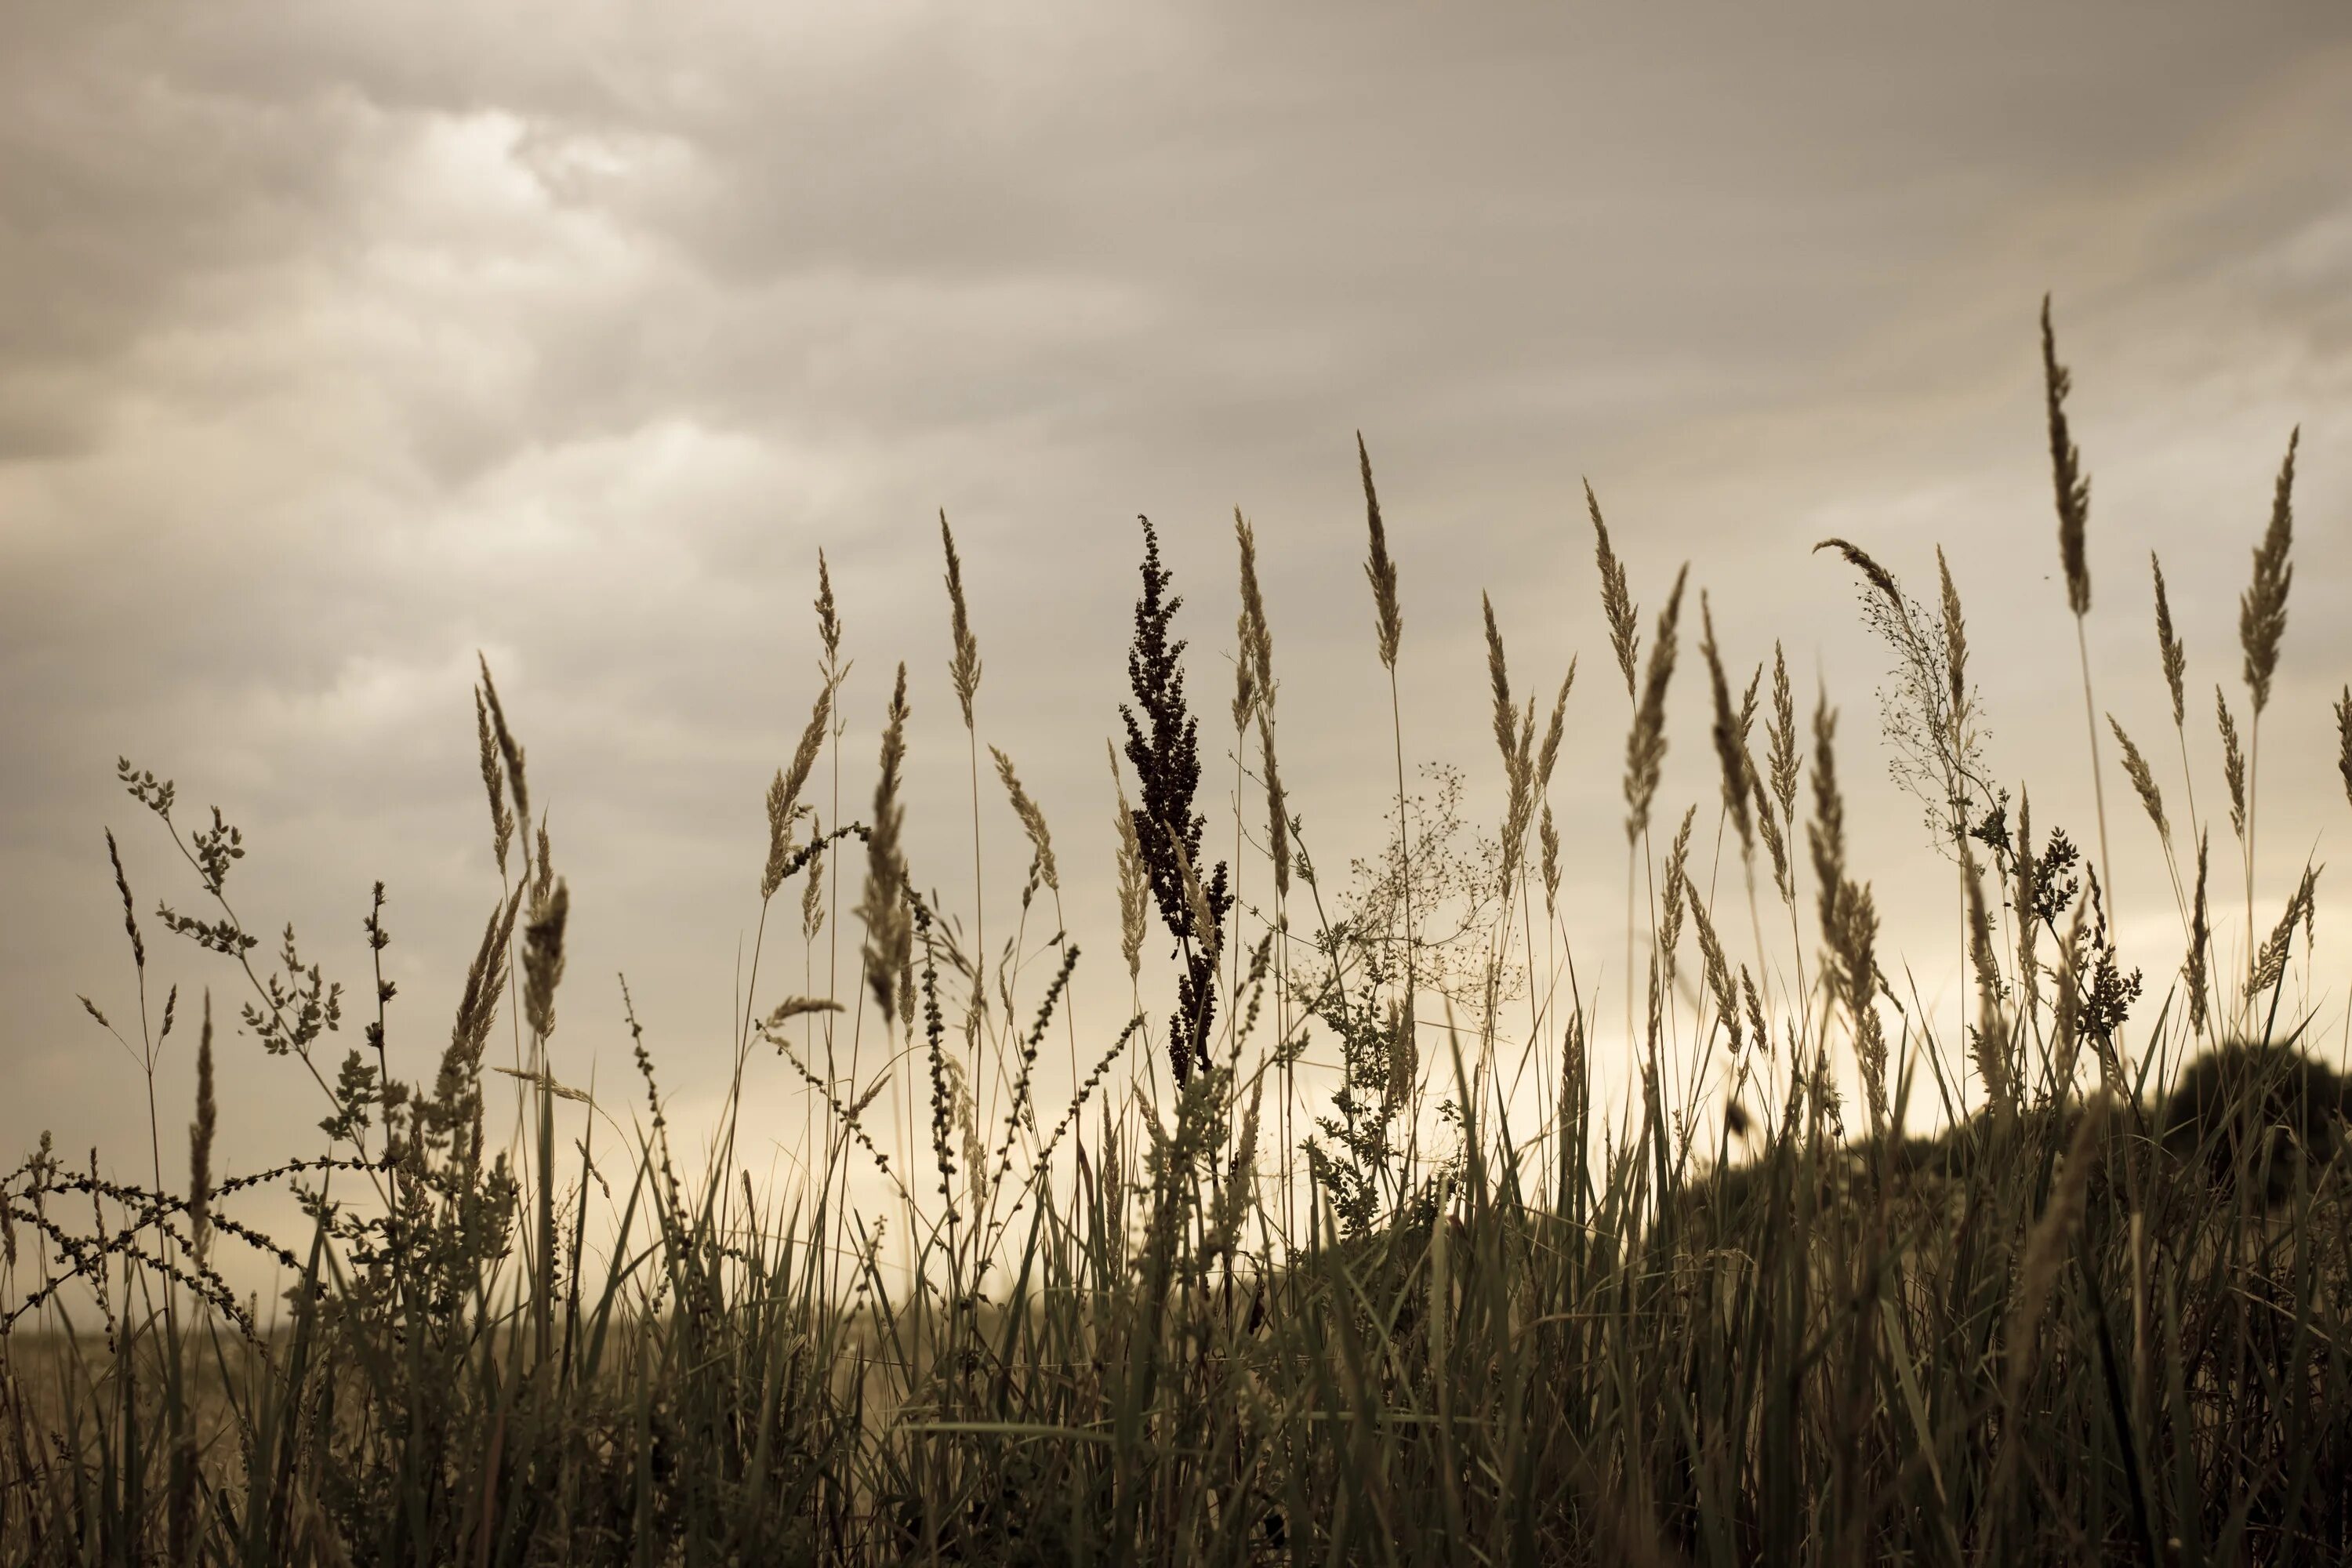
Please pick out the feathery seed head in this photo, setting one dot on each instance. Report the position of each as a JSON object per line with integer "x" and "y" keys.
{"x": 1730, "y": 749}
{"x": 1780, "y": 731}
{"x": 1645, "y": 743}
{"x": 1550, "y": 752}
{"x": 508, "y": 748}
{"x": 963, "y": 668}
{"x": 2135, "y": 766}
{"x": 1032, "y": 822}
{"x": 2167, "y": 644}
{"x": 2233, "y": 765}
{"x": 784, "y": 794}
{"x": 2201, "y": 935}
{"x": 2343, "y": 740}
{"x": 1133, "y": 885}
{"x": 1387, "y": 619}
{"x": 890, "y": 933}
{"x": 502, "y": 820}
{"x": 2262, "y": 608}
{"x": 200, "y": 1142}
{"x": 1278, "y": 824}
{"x": 1616, "y": 603}
{"x": 2073, "y": 487}
{"x": 828, "y": 622}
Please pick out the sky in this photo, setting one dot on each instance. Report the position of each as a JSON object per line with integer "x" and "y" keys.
{"x": 341, "y": 344}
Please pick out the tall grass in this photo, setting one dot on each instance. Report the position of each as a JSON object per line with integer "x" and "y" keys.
{"x": 1135, "y": 1324}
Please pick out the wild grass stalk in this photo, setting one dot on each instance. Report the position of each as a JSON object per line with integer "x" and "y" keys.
{"x": 2073, "y": 492}
{"x": 1387, "y": 625}
{"x": 2262, "y": 626}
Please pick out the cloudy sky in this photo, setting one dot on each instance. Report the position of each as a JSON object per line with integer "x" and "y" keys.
{"x": 338, "y": 342}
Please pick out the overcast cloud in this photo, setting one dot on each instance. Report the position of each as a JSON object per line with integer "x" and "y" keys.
{"x": 337, "y": 342}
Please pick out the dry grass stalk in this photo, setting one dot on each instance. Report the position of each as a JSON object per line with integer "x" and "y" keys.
{"x": 1645, "y": 743}
{"x": 1989, "y": 1040}
{"x": 2343, "y": 740}
{"x": 1616, "y": 604}
{"x": 784, "y": 794}
{"x": 542, "y": 956}
{"x": 2262, "y": 608}
{"x": 511, "y": 750}
{"x": 1133, "y": 879}
{"x": 2233, "y": 765}
{"x": 963, "y": 666}
{"x": 1388, "y": 619}
{"x": 2029, "y": 972}
{"x": 1849, "y": 918}
{"x": 1515, "y": 736}
{"x": 2200, "y": 937}
{"x": 1254, "y": 670}
{"x": 2168, "y": 645}
{"x": 812, "y": 889}
{"x": 1780, "y": 732}
{"x": 502, "y": 823}
{"x": 2270, "y": 962}
{"x": 1670, "y": 920}
{"x": 2073, "y": 486}
{"x": 1277, "y": 818}
{"x": 2073, "y": 493}
{"x": 889, "y": 936}
{"x": 1955, "y": 646}
{"x": 1718, "y": 973}
{"x": 1547, "y": 835}
{"x": 1033, "y": 824}
{"x": 2136, "y": 768}
{"x": 1730, "y": 731}
{"x": 200, "y": 1144}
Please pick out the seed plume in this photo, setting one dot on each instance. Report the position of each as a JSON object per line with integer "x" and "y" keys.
{"x": 2167, "y": 644}
{"x": 1387, "y": 619}
{"x": 1645, "y": 743}
{"x": 2073, "y": 487}
{"x": 1616, "y": 603}
{"x": 2262, "y": 608}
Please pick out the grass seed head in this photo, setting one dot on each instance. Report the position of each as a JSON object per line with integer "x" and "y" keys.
{"x": 2074, "y": 485}
{"x": 1388, "y": 619}
{"x": 2168, "y": 645}
{"x": 2262, "y": 608}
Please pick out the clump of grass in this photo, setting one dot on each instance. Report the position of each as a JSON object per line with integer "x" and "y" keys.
{"x": 2095, "y": 1318}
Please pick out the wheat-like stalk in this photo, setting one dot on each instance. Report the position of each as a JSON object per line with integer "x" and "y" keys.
{"x": 1388, "y": 617}
{"x": 2262, "y": 626}
{"x": 1729, "y": 732}
{"x": 2200, "y": 936}
{"x": 542, "y": 957}
{"x": 1133, "y": 877}
{"x": 2233, "y": 765}
{"x": 784, "y": 794}
{"x": 2167, "y": 643}
{"x": 2343, "y": 740}
{"x": 1032, "y": 822}
{"x": 889, "y": 938}
{"x": 2073, "y": 492}
{"x": 1616, "y": 604}
{"x": 2262, "y": 608}
{"x": 1645, "y": 743}
{"x": 201, "y": 1132}
{"x": 511, "y": 750}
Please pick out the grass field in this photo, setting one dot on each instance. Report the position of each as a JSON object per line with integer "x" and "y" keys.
{"x": 1852, "y": 1283}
